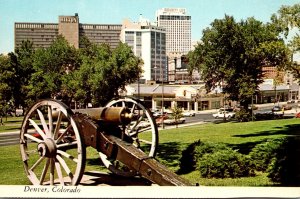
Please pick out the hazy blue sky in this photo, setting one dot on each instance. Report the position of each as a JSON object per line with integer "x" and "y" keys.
{"x": 203, "y": 12}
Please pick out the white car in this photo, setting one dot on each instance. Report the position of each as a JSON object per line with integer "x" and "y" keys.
{"x": 188, "y": 114}
{"x": 221, "y": 114}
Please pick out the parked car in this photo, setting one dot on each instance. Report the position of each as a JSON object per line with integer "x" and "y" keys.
{"x": 269, "y": 115}
{"x": 156, "y": 113}
{"x": 276, "y": 108}
{"x": 188, "y": 114}
{"x": 166, "y": 119}
{"x": 287, "y": 107}
{"x": 222, "y": 114}
{"x": 173, "y": 121}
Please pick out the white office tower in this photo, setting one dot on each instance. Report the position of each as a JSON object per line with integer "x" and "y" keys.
{"x": 148, "y": 42}
{"x": 178, "y": 29}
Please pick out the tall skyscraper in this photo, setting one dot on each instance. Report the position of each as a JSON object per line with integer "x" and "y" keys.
{"x": 178, "y": 29}
{"x": 148, "y": 42}
{"x": 43, "y": 34}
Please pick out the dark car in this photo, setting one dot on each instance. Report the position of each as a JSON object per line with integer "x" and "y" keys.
{"x": 276, "y": 108}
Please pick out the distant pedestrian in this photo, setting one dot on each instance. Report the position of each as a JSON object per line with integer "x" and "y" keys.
{"x": 1, "y": 121}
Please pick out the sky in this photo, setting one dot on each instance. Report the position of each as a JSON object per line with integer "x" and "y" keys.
{"x": 203, "y": 12}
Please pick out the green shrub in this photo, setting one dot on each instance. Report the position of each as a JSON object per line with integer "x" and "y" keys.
{"x": 208, "y": 147}
{"x": 194, "y": 152}
{"x": 225, "y": 164}
{"x": 262, "y": 154}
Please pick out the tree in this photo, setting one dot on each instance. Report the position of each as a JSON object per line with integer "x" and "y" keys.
{"x": 104, "y": 72}
{"x": 176, "y": 114}
{"x": 7, "y": 78}
{"x": 24, "y": 69}
{"x": 232, "y": 55}
{"x": 52, "y": 67}
{"x": 287, "y": 21}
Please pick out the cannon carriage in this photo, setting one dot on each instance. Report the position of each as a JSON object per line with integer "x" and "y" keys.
{"x": 54, "y": 138}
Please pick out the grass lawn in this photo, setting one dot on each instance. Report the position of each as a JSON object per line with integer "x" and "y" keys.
{"x": 240, "y": 136}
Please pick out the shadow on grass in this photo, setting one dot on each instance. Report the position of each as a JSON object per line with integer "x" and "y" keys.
{"x": 169, "y": 153}
{"x": 94, "y": 161}
{"x": 291, "y": 130}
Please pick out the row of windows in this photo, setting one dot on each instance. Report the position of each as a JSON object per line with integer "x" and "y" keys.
{"x": 174, "y": 17}
{"x": 100, "y": 27}
{"x": 36, "y": 25}
{"x": 36, "y": 31}
{"x": 55, "y": 26}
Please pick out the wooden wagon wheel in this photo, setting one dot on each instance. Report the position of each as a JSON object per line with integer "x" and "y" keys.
{"x": 51, "y": 147}
{"x": 142, "y": 130}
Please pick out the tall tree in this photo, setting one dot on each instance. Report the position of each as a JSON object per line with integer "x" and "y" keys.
{"x": 287, "y": 21}
{"x": 52, "y": 67}
{"x": 103, "y": 73}
{"x": 232, "y": 55}
{"x": 24, "y": 69}
{"x": 7, "y": 78}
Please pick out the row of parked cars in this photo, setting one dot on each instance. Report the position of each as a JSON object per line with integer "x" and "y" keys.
{"x": 275, "y": 113}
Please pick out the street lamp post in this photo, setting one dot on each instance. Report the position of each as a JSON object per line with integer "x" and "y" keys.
{"x": 252, "y": 107}
{"x": 162, "y": 98}
{"x": 155, "y": 73}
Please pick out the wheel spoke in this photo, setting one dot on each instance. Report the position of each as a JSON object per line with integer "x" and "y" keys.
{"x": 51, "y": 171}
{"x": 65, "y": 166}
{"x": 50, "y": 121}
{"x": 57, "y": 127}
{"x": 67, "y": 155}
{"x": 63, "y": 134}
{"x": 43, "y": 121}
{"x": 135, "y": 124}
{"x": 38, "y": 129}
{"x": 145, "y": 141}
{"x": 59, "y": 173}
{"x": 59, "y": 146}
{"x": 33, "y": 138}
{"x": 133, "y": 107}
{"x": 44, "y": 171}
{"x": 37, "y": 163}
{"x": 145, "y": 129}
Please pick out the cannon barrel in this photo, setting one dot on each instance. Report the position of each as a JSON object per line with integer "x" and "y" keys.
{"x": 116, "y": 115}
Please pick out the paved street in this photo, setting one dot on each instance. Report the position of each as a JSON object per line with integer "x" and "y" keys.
{"x": 9, "y": 138}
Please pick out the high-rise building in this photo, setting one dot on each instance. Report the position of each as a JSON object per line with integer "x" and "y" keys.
{"x": 178, "y": 29}
{"x": 149, "y": 43}
{"x": 43, "y": 34}
{"x": 178, "y": 41}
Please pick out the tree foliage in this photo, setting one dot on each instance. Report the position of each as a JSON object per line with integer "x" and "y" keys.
{"x": 104, "y": 73}
{"x": 231, "y": 54}
{"x": 177, "y": 114}
{"x": 6, "y": 80}
{"x": 287, "y": 21}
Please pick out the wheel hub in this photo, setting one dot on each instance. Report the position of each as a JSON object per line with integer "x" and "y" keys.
{"x": 47, "y": 148}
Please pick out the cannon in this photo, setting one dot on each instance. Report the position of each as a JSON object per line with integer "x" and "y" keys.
{"x": 54, "y": 138}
